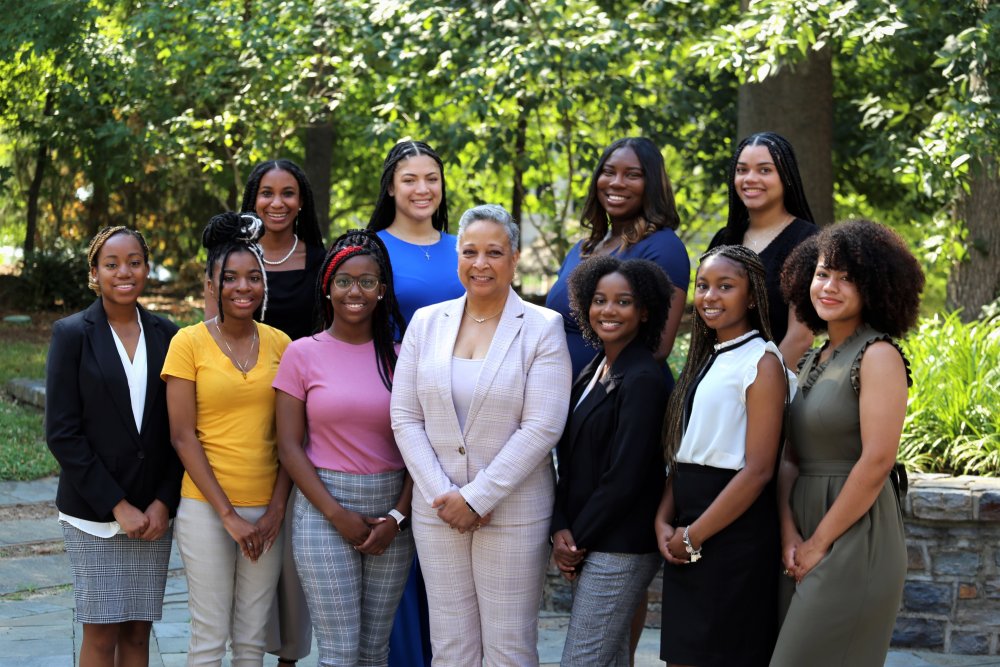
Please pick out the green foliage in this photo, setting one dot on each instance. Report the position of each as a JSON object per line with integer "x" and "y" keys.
{"x": 54, "y": 278}
{"x": 953, "y": 418}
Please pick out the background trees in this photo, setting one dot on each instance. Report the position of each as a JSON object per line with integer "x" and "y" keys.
{"x": 152, "y": 113}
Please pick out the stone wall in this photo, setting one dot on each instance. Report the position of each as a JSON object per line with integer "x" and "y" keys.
{"x": 951, "y": 600}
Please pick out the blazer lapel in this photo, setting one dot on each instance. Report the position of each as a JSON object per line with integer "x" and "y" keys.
{"x": 445, "y": 333}
{"x": 156, "y": 352}
{"x": 597, "y": 395}
{"x": 508, "y": 328}
{"x": 105, "y": 351}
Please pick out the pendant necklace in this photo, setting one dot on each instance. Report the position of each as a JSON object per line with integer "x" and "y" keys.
{"x": 245, "y": 366}
{"x": 480, "y": 320}
{"x": 285, "y": 258}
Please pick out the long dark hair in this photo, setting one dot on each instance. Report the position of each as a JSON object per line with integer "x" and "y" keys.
{"x": 788, "y": 170}
{"x": 703, "y": 340}
{"x": 385, "y": 205}
{"x": 306, "y": 222}
{"x": 231, "y": 232}
{"x": 352, "y": 244}
{"x": 658, "y": 208}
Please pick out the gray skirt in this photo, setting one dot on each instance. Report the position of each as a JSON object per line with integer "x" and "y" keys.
{"x": 117, "y": 579}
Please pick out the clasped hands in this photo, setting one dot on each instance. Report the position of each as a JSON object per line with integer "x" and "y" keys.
{"x": 800, "y": 556}
{"x": 454, "y": 511}
{"x": 670, "y": 542}
{"x": 255, "y": 539}
{"x": 566, "y": 555}
{"x": 149, "y": 525}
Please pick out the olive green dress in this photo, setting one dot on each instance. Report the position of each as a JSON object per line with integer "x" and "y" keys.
{"x": 843, "y": 612}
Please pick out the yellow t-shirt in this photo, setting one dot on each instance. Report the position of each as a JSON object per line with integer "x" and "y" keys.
{"x": 235, "y": 416}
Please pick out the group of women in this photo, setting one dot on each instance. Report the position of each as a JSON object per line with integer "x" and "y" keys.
{"x": 357, "y": 441}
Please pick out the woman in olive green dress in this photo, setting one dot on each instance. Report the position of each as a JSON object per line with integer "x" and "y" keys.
{"x": 841, "y": 526}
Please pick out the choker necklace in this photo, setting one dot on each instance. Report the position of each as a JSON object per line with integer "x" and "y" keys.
{"x": 480, "y": 320}
{"x": 245, "y": 366}
{"x": 285, "y": 258}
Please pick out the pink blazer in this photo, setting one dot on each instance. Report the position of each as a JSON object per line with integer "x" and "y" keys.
{"x": 500, "y": 462}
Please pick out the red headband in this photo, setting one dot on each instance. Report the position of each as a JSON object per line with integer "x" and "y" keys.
{"x": 341, "y": 255}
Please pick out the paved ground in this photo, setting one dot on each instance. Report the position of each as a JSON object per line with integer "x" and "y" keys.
{"x": 36, "y": 602}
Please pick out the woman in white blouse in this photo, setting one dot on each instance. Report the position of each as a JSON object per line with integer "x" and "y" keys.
{"x": 716, "y": 525}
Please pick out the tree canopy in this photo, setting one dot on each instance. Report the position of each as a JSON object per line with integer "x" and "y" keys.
{"x": 152, "y": 113}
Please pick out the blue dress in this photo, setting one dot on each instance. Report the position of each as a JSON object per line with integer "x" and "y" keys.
{"x": 422, "y": 275}
{"x": 662, "y": 247}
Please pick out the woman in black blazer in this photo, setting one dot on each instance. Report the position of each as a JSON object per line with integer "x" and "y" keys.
{"x": 106, "y": 424}
{"x": 610, "y": 457}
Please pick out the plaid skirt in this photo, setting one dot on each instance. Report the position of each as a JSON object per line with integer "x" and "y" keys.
{"x": 117, "y": 579}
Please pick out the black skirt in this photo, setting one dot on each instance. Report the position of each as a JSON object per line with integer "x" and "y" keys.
{"x": 722, "y": 610}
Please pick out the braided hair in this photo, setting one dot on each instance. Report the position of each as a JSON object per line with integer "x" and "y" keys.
{"x": 788, "y": 171}
{"x": 658, "y": 208}
{"x": 306, "y": 222}
{"x": 354, "y": 243}
{"x": 385, "y": 205}
{"x": 231, "y": 232}
{"x": 703, "y": 340}
{"x": 96, "y": 243}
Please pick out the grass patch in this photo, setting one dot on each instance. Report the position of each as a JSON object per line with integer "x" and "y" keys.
{"x": 23, "y": 452}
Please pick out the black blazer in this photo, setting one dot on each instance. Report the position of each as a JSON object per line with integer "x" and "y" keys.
{"x": 89, "y": 424}
{"x": 611, "y": 470}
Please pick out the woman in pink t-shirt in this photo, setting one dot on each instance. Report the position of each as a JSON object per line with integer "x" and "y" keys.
{"x": 353, "y": 493}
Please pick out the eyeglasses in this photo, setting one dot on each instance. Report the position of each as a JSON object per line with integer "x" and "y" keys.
{"x": 342, "y": 281}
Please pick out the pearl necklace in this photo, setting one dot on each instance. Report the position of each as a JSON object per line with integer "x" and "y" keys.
{"x": 285, "y": 258}
{"x": 480, "y": 320}
{"x": 245, "y": 366}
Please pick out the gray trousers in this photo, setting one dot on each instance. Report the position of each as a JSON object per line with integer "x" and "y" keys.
{"x": 605, "y": 596}
{"x": 352, "y": 596}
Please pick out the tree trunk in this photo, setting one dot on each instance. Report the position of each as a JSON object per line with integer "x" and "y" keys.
{"x": 797, "y": 103}
{"x": 517, "y": 196}
{"x": 318, "y": 167}
{"x": 35, "y": 189}
{"x": 975, "y": 281}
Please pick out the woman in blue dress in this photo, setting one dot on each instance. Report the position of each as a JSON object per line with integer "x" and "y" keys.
{"x": 630, "y": 213}
{"x": 411, "y": 218}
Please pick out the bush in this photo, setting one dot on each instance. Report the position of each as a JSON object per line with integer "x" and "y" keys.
{"x": 54, "y": 278}
{"x": 953, "y": 418}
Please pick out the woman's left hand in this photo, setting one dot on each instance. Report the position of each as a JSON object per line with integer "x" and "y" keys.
{"x": 676, "y": 547}
{"x": 159, "y": 520}
{"x": 807, "y": 556}
{"x": 383, "y": 532}
{"x": 269, "y": 525}
{"x": 453, "y": 510}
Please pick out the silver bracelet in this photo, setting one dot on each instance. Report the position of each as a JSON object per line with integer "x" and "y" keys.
{"x": 694, "y": 553}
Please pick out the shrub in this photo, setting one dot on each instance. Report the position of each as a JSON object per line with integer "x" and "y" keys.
{"x": 953, "y": 418}
{"x": 54, "y": 278}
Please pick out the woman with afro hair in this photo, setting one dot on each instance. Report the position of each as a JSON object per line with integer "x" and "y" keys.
{"x": 841, "y": 527}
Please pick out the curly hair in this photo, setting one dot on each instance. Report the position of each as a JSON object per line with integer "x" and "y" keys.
{"x": 703, "y": 340}
{"x": 650, "y": 286}
{"x": 231, "y": 232}
{"x": 886, "y": 274}
{"x": 788, "y": 170}
{"x": 96, "y": 243}
{"x": 658, "y": 208}
{"x": 306, "y": 222}
{"x": 385, "y": 205}
{"x": 355, "y": 243}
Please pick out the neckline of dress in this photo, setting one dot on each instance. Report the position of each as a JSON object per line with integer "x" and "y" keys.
{"x": 736, "y": 342}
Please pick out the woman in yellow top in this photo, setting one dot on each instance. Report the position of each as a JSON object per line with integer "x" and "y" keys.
{"x": 221, "y": 406}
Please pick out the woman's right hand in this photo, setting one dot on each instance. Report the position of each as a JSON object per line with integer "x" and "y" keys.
{"x": 790, "y": 543}
{"x": 354, "y": 527}
{"x": 245, "y": 534}
{"x": 566, "y": 555}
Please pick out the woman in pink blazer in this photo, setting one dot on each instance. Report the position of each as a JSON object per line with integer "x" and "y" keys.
{"x": 479, "y": 399}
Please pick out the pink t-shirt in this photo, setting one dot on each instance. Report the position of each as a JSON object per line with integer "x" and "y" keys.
{"x": 347, "y": 406}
